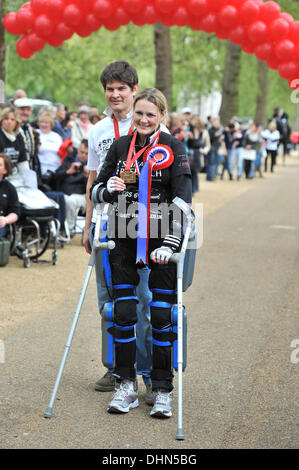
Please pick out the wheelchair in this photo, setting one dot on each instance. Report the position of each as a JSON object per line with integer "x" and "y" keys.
{"x": 37, "y": 228}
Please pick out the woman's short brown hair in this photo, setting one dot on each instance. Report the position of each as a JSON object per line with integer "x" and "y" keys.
{"x": 7, "y": 163}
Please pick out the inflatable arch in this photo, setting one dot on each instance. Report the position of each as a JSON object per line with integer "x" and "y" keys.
{"x": 259, "y": 27}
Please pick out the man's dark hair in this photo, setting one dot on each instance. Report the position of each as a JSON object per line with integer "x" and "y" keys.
{"x": 84, "y": 142}
{"x": 120, "y": 71}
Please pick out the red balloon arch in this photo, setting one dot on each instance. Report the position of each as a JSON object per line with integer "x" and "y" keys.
{"x": 259, "y": 27}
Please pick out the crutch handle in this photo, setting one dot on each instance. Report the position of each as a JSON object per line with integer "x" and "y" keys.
{"x": 175, "y": 258}
{"x": 110, "y": 245}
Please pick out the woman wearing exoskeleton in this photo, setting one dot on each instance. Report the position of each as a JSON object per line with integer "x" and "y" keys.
{"x": 149, "y": 166}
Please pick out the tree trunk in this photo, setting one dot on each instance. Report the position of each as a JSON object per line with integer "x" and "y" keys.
{"x": 262, "y": 94}
{"x": 2, "y": 54}
{"x": 163, "y": 58}
{"x": 230, "y": 83}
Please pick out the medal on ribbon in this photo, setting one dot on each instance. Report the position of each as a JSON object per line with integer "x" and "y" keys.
{"x": 157, "y": 157}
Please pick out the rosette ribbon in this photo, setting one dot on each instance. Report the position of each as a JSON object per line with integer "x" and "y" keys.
{"x": 156, "y": 158}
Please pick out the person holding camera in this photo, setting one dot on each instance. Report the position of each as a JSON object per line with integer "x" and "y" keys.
{"x": 71, "y": 178}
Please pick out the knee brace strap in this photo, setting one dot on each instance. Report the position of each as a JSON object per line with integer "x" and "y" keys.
{"x": 160, "y": 304}
{"x": 123, "y": 290}
{"x": 122, "y": 334}
{"x": 129, "y": 297}
{"x": 164, "y": 295}
{"x": 163, "y": 337}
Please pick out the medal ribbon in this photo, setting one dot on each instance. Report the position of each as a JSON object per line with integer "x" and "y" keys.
{"x": 158, "y": 157}
{"x": 116, "y": 128}
{"x": 133, "y": 159}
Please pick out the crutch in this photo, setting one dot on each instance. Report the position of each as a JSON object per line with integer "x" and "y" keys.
{"x": 179, "y": 259}
{"x": 97, "y": 245}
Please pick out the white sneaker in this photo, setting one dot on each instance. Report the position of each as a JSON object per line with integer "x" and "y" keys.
{"x": 124, "y": 398}
{"x": 162, "y": 404}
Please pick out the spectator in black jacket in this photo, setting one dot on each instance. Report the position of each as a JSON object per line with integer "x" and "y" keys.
{"x": 9, "y": 202}
{"x": 71, "y": 178}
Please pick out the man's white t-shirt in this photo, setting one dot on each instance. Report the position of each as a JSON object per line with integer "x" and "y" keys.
{"x": 100, "y": 139}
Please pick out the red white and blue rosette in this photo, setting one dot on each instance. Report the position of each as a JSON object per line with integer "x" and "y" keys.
{"x": 155, "y": 158}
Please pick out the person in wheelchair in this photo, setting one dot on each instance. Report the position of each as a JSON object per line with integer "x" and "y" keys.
{"x": 9, "y": 202}
{"x": 71, "y": 178}
{"x": 148, "y": 166}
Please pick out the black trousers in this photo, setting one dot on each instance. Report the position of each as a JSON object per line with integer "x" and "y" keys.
{"x": 272, "y": 154}
{"x": 162, "y": 282}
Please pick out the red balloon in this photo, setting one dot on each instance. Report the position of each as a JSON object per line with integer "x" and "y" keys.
{"x": 237, "y": 3}
{"x": 85, "y": 5}
{"x": 180, "y": 17}
{"x": 35, "y": 42}
{"x": 273, "y": 62}
{"x": 195, "y": 23}
{"x": 228, "y": 16}
{"x": 278, "y": 29}
{"x": 284, "y": 49}
{"x": 263, "y": 51}
{"x": 287, "y": 70}
{"x": 11, "y": 25}
{"x": 166, "y": 19}
{"x": 121, "y": 17}
{"x": 39, "y": 6}
{"x": 222, "y": 32}
{"x": 22, "y": 48}
{"x": 249, "y": 11}
{"x": 55, "y": 42}
{"x": 92, "y": 22}
{"x": 62, "y": 31}
{"x": 296, "y": 53}
{"x": 269, "y": 11}
{"x": 55, "y": 9}
{"x": 257, "y": 32}
{"x": 110, "y": 24}
{"x": 72, "y": 15}
{"x": 197, "y": 7}
{"x": 25, "y": 18}
{"x": 133, "y": 6}
{"x": 214, "y": 5}
{"x": 151, "y": 15}
{"x": 295, "y": 32}
{"x": 237, "y": 35}
{"x": 165, "y": 6}
{"x": 43, "y": 26}
{"x": 82, "y": 30}
{"x": 102, "y": 9}
{"x": 209, "y": 23}
{"x": 247, "y": 46}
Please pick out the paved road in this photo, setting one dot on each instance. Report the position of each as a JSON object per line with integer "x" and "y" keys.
{"x": 240, "y": 386}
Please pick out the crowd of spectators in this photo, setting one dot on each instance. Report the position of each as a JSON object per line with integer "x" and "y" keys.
{"x": 54, "y": 144}
{"x": 240, "y": 147}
